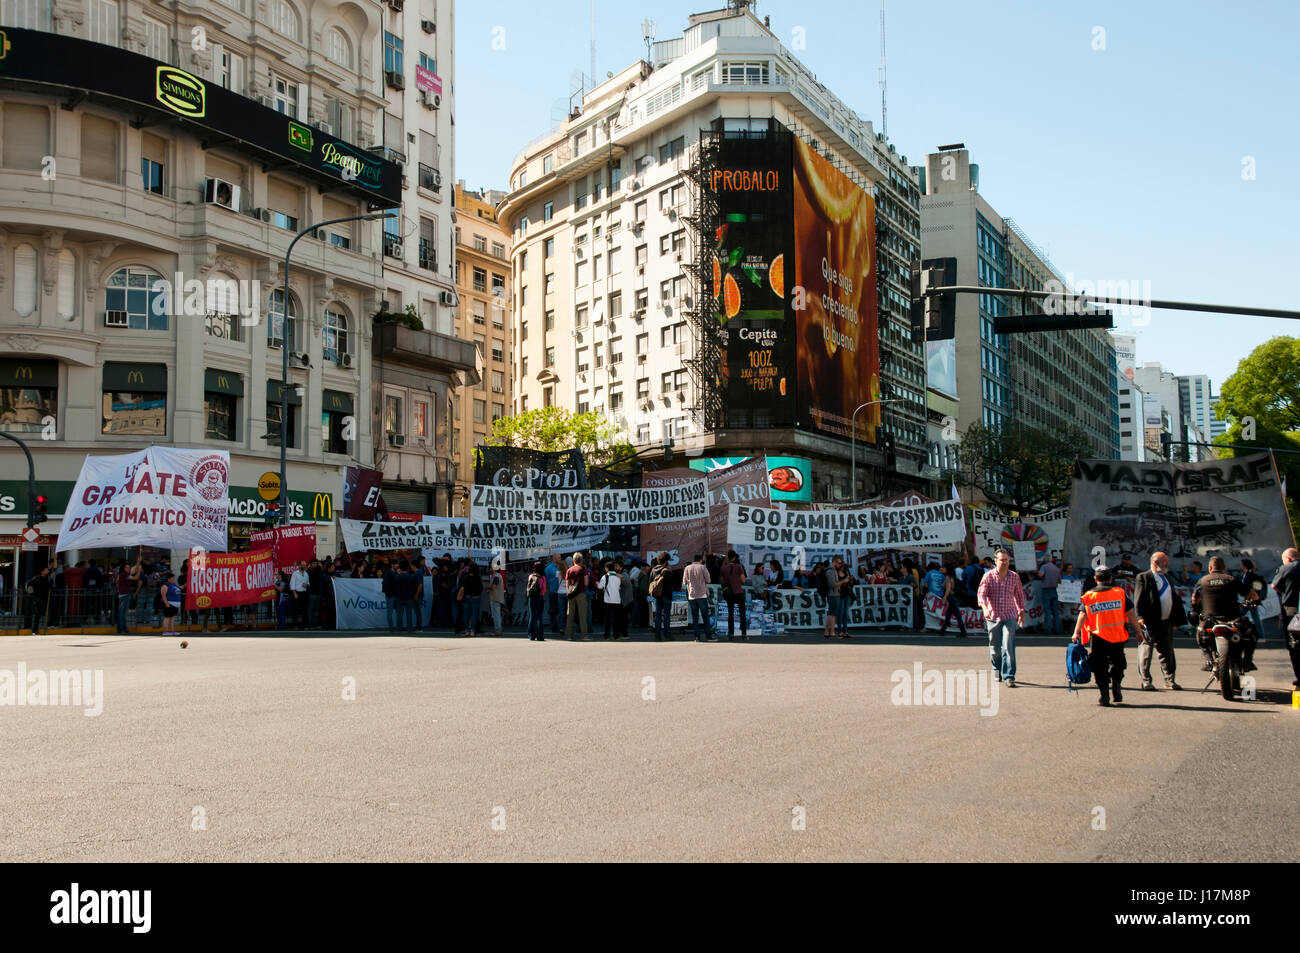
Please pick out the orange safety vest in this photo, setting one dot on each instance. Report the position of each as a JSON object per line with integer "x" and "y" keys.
{"x": 1106, "y": 614}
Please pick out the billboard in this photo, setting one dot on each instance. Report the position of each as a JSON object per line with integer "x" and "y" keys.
{"x": 838, "y": 360}
{"x": 745, "y": 262}
{"x": 788, "y": 478}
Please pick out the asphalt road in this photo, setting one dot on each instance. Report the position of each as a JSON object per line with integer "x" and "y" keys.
{"x": 503, "y": 749}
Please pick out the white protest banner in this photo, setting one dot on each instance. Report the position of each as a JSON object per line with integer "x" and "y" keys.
{"x": 878, "y": 528}
{"x": 873, "y": 607}
{"x": 163, "y": 496}
{"x": 625, "y": 507}
{"x": 936, "y": 610}
{"x": 437, "y": 536}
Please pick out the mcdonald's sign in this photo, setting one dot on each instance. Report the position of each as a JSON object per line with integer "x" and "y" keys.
{"x": 223, "y": 380}
{"x": 22, "y": 373}
{"x": 322, "y": 507}
{"x": 135, "y": 377}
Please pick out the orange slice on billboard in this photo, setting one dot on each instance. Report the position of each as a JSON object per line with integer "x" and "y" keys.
{"x": 776, "y": 276}
{"x": 717, "y": 278}
{"x": 732, "y": 292}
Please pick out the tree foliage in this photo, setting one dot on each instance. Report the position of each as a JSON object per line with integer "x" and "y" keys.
{"x": 1261, "y": 402}
{"x": 1021, "y": 469}
{"x": 551, "y": 429}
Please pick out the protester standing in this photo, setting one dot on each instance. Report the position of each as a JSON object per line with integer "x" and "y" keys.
{"x": 732, "y": 575}
{"x": 575, "y": 611}
{"x": 469, "y": 594}
{"x": 1002, "y": 598}
{"x": 950, "y": 584}
{"x": 696, "y": 580}
{"x": 298, "y": 584}
{"x": 611, "y": 589}
{"x": 661, "y": 591}
{"x": 1050, "y": 574}
{"x": 172, "y": 601}
{"x": 497, "y": 599}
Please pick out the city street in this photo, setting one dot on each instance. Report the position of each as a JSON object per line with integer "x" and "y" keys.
{"x": 504, "y": 749}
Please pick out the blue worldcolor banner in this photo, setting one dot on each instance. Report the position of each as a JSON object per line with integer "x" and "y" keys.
{"x": 361, "y": 604}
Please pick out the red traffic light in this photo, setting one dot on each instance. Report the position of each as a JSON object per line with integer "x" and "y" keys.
{"x": 41, "y": 500}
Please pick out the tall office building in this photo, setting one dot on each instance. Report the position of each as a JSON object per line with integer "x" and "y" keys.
{"x": 147, "y": 145}
{"x": 484, "y": 317}
{"x": 663, "y": 281}
{"x": 1048, "y": 380}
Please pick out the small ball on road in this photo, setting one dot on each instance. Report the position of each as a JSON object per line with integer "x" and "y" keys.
{"x": 184, "y": 644}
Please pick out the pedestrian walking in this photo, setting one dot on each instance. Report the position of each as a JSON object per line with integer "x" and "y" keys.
{"x": 1105, "y": 617}
{"x": 575, "y": 610}
{"x": 696, "y": 580}
{"x": 298, "y": 584}
{"x": 1002, "y": 597}
{"x": 951, "y": 602}
{"x": 1160, "y": 609}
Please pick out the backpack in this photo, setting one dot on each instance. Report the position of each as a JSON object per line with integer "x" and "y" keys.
{"x": 823, "y": 588}
{"x": 659, "y": 582}
{"x": 534, "y": 590}
{"x": 1077, "y": 669}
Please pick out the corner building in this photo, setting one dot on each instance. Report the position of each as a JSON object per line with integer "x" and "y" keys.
{"x": 659, "y": 245}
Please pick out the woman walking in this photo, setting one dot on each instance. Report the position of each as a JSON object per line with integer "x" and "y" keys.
{"x": 950, "y": 599}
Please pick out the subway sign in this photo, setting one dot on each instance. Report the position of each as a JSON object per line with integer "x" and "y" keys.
{"x": 211, "y": 111}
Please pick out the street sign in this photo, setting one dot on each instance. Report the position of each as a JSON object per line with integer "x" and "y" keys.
{"x": 31, "y": 537}
{"x": 268, "y": 485}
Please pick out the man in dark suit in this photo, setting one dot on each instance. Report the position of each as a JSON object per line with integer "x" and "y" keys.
{"x": 1161, "y": 611}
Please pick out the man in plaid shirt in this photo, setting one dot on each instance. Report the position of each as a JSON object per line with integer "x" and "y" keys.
{"x": 1003, "y": 600}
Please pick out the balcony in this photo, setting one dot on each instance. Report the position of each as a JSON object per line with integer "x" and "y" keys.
{"x": 429, "y": 351}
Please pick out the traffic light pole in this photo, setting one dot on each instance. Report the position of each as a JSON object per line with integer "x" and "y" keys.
{"x": 31, "y": 506}
{"x": 1079, "y": 303}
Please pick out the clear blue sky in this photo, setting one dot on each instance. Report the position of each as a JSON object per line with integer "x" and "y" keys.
{"x": 1122, "y": 163}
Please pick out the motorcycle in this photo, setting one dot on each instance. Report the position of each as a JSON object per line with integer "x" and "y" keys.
{"x": 1227, "y": 641}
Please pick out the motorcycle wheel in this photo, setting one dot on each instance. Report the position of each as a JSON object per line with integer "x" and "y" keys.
{"x": 1223, "y": 669}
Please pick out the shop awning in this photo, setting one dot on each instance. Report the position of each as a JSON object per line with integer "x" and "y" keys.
{"x": 336, "y": 402}
{"x": 223, "y": 382}
{"x": 273, "y": 388}
{"x": 135, "y": 378}
{"x": 20, "y": 373}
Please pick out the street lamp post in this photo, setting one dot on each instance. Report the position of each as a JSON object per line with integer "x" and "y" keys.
{"x": 284, "y": 354}
{"x": 853, "y": 442}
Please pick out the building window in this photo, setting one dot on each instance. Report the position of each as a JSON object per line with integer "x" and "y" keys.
{"x": 580, "y": 317}
{"x": 285, "y": 20}
{"x": 548, "y": 396}
{"x": 335, "y": 336}
{"x": 744, "y": 73}
{"x": 151, "y": 175}
{"x": 229, "y": 69}
{"x": 498, "y": 382}
{"x": 499, "y": 250}
{"x": 548, "y": 163}
{"x": 392, "y": 53}
{"x": 29, "y": 393}
{"x": 339, "y": 48}
{"x": 498, "y": 285}
{"x": 393, "y": 420}
{"x": 550, "y": 357}
{"x": 672, "y": 150}
{"x": 134, "y": 399}
{"x": 548, "y": 211}
{"x": 223, "y": 318}
{"x": 26, "y": 14}
{"x": 480, "y": 411}
{"x": 642, "y": 344}
{"x": 157, "y": 40}
{"x": 549, "y": 283}
{"x": 548, "y": 248}
{"x": 480, "y": 279}
{"x": 420, "y": 419}
{"x": 333, "y": 426}
{"x": 219, "y": 409}
{"x": 642, "y": 299}
{"x": 275, "y": 321}
{"x": 549, "y": 320}
{"x": 103, "y": 26}
{"x": 498, "y": 351}
{"x": 523, "y": 367}
{"x": 480, "y": 243}
{"x": 616, "y": 305}
{"x": 285, "y": 94}
{"x": 643, "y": 433}
{"x": 580, "y": 360}
{"x": 616, "y": 351}
{"x": 643, "y": 388}
{"x": 136, "y": 298}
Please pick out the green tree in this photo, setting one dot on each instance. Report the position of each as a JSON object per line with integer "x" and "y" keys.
{"x": 1020, "y": 469}
{"x": 1261, "y": 402}
{"x": 551, "y": 429}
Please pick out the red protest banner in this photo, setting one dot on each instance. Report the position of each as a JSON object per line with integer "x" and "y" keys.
{"x": 229, "y": 579}
{"x": 289, "y": 544}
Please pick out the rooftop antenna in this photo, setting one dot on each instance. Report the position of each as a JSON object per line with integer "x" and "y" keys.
{"x": 648, "y": 34}
{"x": 884, "y": 110}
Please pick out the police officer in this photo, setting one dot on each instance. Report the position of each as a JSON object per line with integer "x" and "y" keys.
{"x": 1105, "y": 614}
{"x": 1216, "y": 597}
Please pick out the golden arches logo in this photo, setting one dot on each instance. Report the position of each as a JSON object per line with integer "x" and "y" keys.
{"x": 135, "y": 377}
{"x": 223, "y": 380}
{"x": 23, "y": 373}
{"x": 322, "y": 507}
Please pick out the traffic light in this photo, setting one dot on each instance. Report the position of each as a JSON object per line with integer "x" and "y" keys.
{"x": 1166, "y": 441}
{"x": 41, "y": 511}
{"x": 1029, "y": 323}
{"x": 933, "y": 317}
